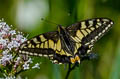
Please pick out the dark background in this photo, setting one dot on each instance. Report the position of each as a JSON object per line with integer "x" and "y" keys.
{"x": 26, "y": 15}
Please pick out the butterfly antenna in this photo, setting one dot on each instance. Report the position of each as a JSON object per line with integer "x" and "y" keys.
{"x": 49, "y": 21}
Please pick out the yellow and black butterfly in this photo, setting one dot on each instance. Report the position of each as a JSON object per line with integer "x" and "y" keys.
{"x": 69, "y": 45}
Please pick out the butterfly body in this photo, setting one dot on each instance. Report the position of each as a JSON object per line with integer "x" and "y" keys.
{"x": 70, "y": 44}
{"x": 67, "y": 43}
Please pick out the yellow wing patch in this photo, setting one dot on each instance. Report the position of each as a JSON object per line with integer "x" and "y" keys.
{"x": 29, "y": 45}
{"x": 88, "y": 30}
{"x": 84, "y": 32}
{"x": 83, "y": 25}
{"x": 91, "y": 23}
{"x": 38, "y": 45}
{"x": 77, "y": 46}
{"x": 79, "y": 34}
{"x": 35, "y": 40}
{"x": 41, "y": 46}
{"x": 51, "y": 44}
{"x": 92, "y": 28}
{"x": 58, "y": 44}
{"x": 42, "y": 38}
{"x": 46, "y": 44}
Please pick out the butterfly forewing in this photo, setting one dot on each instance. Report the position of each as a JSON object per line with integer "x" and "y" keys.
{"x": 89, "y": 31}
{"x": 40, "y": 45}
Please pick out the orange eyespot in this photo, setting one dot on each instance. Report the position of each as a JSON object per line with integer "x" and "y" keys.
{"x": 77, "y": 58}
{"x": 72, "y": 60}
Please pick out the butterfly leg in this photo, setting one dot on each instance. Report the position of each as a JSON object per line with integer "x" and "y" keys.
{"x": 71, "y": 68}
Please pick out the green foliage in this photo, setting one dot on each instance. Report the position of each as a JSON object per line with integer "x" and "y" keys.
{"x": 67, "y": 12}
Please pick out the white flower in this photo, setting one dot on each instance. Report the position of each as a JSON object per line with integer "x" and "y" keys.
{"x": 20, "y": 38}
{"x": 12, "y": 32}
{"x": 2, "y": 24}
{"x": 29, "y": 61}
{"x": 10, "y": 41}
{"x": 9, "y": 57}
{"x": 10, "y": 46}
{"x": 15, "y": 44}
{"x": 23, "y": 40}
{"x": 6, "y": 59}
{"x": 26, "y": 66}
{"x": 37, "y": 65}
{"x": 5, "y": 27}
{"x": 5, "y": 52}
{"x": 2, "y": 33}
{"x": 3, "y": 42}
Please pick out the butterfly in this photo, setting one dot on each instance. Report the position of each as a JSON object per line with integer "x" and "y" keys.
{"x": 68, "y": 44}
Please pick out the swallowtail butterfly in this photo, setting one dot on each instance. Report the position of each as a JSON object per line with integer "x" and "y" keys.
{"x": 68, "y": 44}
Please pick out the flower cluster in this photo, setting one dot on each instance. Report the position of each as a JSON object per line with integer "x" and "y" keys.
{"x": 11, "y": 63}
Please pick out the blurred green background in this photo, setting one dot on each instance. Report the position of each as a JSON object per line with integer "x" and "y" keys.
{"x": 26, "y": 15}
